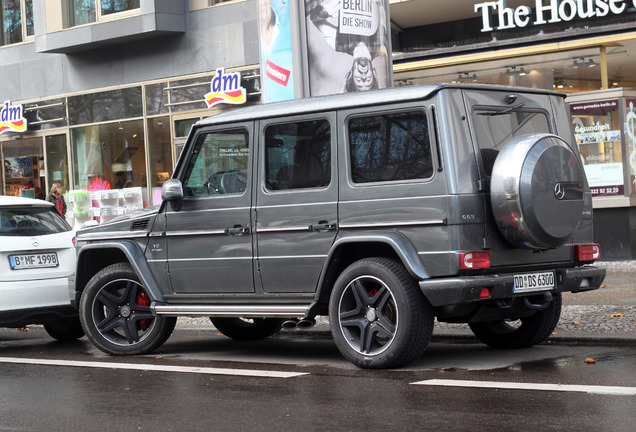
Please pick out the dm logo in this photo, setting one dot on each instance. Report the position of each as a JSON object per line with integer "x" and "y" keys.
{"x": 226, "y": 88}
{"x": 11, "y": 119}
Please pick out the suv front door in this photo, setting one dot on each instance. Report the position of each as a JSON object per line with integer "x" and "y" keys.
{"x": 209, "y": 238}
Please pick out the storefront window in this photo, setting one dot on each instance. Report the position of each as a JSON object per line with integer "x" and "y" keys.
{"x": 23, "y": 166}
{"x": 56, "y": 161}
{"x": 160, "y": 151}
{"x": 597, "y": 129}
{"x": 157, "y": 99}
{"x": 105, "y": 106}
{"x": 110, "y": 154}
{"x": 46, "y": 114}
{"x": 567, "y": 72}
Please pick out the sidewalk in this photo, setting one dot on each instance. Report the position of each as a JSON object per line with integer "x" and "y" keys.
{"x": 606, "y": 315}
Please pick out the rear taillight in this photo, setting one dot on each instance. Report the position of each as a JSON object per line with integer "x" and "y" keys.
{"x": 474, "y": 260}
{"x": 587, "y": 252}
{"x": 74, "y": 242}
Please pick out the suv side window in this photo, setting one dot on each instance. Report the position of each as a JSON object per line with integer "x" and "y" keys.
{"x": 494, "y": 128}
{"x": 298, "y": 155}
{"x": 218, "y": 164}
{"x": 390, "y": 147}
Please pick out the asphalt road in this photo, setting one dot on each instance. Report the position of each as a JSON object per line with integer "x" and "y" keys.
{"x": 200, "y": 380}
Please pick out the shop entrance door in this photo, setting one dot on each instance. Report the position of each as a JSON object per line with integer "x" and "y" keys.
{"x": 56, "y": 161}
{"x": 23, "y": 167}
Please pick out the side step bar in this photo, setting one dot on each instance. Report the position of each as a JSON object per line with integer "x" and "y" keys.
{"x": 263, "y": 311}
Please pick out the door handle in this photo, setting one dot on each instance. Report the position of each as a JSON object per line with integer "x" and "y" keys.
{"x": 237, "y": 230}
{"x": 323, "y": 226}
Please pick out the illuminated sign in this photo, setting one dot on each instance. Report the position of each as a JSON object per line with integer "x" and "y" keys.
{"x": 545, "y": 12}
{"x": 226, "y": 88}
{"x": 11, "y": 118}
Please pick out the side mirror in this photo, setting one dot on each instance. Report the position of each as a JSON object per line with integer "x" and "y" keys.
{"x": 172, "y": 191}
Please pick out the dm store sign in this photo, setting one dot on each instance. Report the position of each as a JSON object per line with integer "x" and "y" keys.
{"x": 226, "y": 88}
{"x": 11, "y": 118}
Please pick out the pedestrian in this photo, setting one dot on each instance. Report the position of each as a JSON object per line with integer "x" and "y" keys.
{"x": 39, "y": 193}
{"x": 56, "y": 198}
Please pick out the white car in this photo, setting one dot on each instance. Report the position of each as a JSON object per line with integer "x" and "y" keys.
{"x": 37, "y": 256}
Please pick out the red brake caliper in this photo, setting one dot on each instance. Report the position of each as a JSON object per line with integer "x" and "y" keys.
{"x": 143, "y": 300}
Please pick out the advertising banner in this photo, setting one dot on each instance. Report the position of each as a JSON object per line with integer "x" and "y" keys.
{"x": 597, "y": 129}
{"x": 630, "y": 132}
{"x": 348, "y": 45}
{"x": 277, "y": 71}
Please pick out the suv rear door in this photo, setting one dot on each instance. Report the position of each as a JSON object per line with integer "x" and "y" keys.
{"x": 296, "y": 201}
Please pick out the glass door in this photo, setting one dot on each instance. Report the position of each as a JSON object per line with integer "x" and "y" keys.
{"x": 56, "y": 161}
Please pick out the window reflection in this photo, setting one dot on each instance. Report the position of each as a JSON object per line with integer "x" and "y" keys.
{"x": 104, "y": 106}
{"x": 10, "y": 22}
{"x": 99, "y": 152}
{"x": 160, "y": 151}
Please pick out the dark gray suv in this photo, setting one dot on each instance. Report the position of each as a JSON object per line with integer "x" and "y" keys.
{"x": 383, "y": 210}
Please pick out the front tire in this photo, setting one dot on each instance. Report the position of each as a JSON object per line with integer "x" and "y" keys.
{"x": 379, "y": 317}
{"x": 116, "y": 316}
{"x": 66, "y": 330}
{"x": 247, "y": 329}
{"x": 530, "y": 330}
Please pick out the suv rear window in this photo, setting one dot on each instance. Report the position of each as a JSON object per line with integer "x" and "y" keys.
{"x": 30, "y": 221}
{"x": 495, "y": 126}
{"x": 390, "y": 147}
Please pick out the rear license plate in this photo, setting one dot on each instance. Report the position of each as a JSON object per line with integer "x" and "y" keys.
{"x": 534, "y": 282}
{"x": 29, "y": 261}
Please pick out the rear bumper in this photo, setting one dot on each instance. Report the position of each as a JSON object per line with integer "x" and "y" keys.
{"x": 467, "y": 289}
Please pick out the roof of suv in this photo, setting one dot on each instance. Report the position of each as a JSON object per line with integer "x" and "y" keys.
{"x": 350, "y": 100}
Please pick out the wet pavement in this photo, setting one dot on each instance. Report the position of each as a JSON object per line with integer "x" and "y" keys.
{"x": 606, "y": 315}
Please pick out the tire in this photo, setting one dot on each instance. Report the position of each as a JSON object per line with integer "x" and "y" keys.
{"x": 379, "y": 317}
{"x": 537, "y": 191}
{"x": 530, "y": 330}
{"x": 66, "y": 330}
{"x": 116, "y": 316}
{"x": 247, "y": 329}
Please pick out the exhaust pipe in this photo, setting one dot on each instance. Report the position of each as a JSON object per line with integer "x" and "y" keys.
{"x": 306, "y": 323}
{"x": 290, "y": 323}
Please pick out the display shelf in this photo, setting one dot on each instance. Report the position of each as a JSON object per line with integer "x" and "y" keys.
{"x": 102, "y": 206}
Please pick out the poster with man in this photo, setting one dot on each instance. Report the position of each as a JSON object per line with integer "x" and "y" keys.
{"x": 348, "y": 45}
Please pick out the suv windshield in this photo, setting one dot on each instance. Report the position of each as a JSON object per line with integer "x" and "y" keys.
{"x": 30, "y": 221}
{"x": 495, "y": 127}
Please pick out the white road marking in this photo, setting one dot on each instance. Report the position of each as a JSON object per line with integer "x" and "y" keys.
{"x": 155, "y": 368}
{"x": 608, "y": 390}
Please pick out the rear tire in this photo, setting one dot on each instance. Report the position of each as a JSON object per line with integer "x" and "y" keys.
{"x": 247, "y": 329}
{"x": 66, "y": 330}
{"x": 116, "y": 316}
{"x": 532, "y": 330}
{"x": 379, "y": 317}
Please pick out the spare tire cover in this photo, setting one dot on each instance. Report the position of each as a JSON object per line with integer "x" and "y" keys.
{"x": 536, "y": 191}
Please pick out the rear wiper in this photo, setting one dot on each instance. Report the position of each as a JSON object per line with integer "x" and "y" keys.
{"x": 502, "y": 111}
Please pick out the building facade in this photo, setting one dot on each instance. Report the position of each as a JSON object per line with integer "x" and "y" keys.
{"x": 110, "y": 88}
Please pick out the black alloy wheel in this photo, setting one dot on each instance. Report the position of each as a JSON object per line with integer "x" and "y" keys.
{"x": 116, "y": 315}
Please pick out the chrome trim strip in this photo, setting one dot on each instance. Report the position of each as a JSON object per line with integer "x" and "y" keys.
{"x": 321, "y": 203}
{"x": 191, "y": 233}
{"x": 232, "y": 310}
{"x": 283, "y": 229}
{"x": 111, "y": 235}
{"x": 170, "y": 212}
{"x": 291, "y": 257}
{"x": 211, "y": 259}
{"x": 393, "y": 224}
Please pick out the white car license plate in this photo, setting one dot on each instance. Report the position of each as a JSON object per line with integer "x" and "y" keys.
{"x": 534, "y": 282}
{"x": 29, "y": 261}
